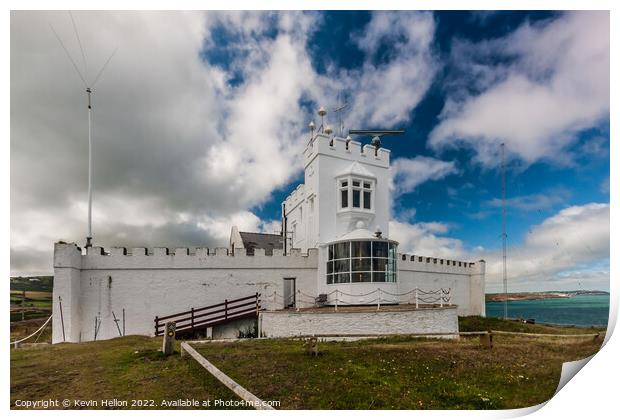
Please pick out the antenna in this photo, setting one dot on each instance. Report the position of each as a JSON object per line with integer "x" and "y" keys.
{"x": 89, "y": 92}
{"x": 338, "y": 110}
{"x": 376, "y": 135}
{"x": 504, "y": 235}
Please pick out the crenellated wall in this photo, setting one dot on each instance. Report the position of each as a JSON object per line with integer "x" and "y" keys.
{"x": 464, "y": 279}
{"x": 100, "y": 283}
{"x": 158, "y": 282}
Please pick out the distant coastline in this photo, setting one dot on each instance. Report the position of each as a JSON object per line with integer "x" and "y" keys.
{"x": 516, "y": 296}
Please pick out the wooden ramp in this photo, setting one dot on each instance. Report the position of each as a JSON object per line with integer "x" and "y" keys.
{"x": 209, "y": 316}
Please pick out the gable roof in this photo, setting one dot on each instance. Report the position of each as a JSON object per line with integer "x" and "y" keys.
{"x": 267, "y": 241}
{"x": 356, "y": 169}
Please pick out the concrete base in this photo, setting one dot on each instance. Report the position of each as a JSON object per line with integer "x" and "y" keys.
{"x": 364, "y": 321}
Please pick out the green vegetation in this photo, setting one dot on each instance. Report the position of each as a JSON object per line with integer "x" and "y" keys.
{"x": 395, "y": 372}
{"x": 124, "y": 368}
{"x": 479, "y": 323}
{"x": 33, "y": 283}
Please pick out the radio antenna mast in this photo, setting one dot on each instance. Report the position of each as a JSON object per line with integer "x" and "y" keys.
{"x": 338, "y": 110}
{"x": 504, "y": 235}
{"x": 89, "y": 91}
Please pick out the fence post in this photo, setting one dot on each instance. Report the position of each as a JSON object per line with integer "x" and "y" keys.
{"x": 416, "y": 298}
{"x": 441, "y": 298}
{"x": 169, "y": 336}
{"x": 257, "y": 303}
{"x": 156, "y": 326}
{"x": 192, "y": 320}
{"x": 226, "y": 309}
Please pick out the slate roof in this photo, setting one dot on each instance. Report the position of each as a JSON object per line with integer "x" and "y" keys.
{"x": 266, "y": 241}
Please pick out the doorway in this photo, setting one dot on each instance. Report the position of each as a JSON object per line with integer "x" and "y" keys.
{"x": 289, "y": 292}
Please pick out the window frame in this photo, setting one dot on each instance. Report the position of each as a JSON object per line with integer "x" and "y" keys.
{"x": 364, "y": 186}
{"x": 338, "y": 267}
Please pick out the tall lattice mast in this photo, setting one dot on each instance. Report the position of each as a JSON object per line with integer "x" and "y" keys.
{"x": 504, "y": 235}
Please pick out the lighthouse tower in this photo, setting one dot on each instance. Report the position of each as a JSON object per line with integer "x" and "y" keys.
{"x": 343, "y": 209}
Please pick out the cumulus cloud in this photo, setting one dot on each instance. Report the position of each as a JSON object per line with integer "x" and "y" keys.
{"x": 556, "y": 83}
{"x": 407, "y": 173}
{"x": 186, "y": 142}
{"x": 425, "y": 239}
{"x": 569, "y": 250}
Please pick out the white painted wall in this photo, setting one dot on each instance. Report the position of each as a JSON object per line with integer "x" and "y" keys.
{"x": 291, "y": 323}
{"x": 157, "y": 285}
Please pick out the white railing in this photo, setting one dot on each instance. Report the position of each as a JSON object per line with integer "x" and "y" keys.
{"x": 416, "y": 296}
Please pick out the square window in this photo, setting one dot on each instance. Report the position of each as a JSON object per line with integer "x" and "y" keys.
{"x": 344, "y": 184}
{"x": 367, "y": 185}
{"x": 356, "y": 183}
{"x": 361, "y": 264}
{"x": 341, "y": 266}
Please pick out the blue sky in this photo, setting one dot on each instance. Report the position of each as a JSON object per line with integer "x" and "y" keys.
{"x": 224, "y": 100}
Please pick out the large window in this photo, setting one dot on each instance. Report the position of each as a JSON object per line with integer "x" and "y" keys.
{"x": 355, "y": 193}
{"x": 361, "y": 262}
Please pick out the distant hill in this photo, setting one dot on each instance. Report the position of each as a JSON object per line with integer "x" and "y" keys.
{"x": 33, "y": 283}
{"x": 551, "y": 294}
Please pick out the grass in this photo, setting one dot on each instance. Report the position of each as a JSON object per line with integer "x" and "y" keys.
{"x": 37, "y": 304}
{"x": 396, "y": 372}
{"x": 478, "y": 323}
{"x": 128, "y": 368}
{"x": 401, "y": 373}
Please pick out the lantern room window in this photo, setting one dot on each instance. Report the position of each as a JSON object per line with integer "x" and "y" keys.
{"x": 362, "y": 261}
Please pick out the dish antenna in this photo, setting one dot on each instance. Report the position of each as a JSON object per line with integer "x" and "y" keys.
{"x": 89, "y": 91}
{"x": 376, "y": 135}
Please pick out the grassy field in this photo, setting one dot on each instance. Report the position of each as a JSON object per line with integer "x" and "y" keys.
{"x": 36, "y": 304}
{"x": 396, "y": 372}
{"x": 128, "y": 368}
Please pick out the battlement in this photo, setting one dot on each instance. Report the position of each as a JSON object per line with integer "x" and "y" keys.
{"x": 68, "y": 255}
{"x": 295, "y": 197}
{"x": 352, "y": 150}
{"x": 443, "y": 265}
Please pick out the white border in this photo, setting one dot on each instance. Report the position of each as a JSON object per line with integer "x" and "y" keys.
{"x": 593, "y": 394}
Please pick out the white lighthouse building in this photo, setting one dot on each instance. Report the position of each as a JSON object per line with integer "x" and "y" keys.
{"x": 334, "y": 250}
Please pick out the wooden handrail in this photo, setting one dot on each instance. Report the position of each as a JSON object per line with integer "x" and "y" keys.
{"x": 161, "y": 318}
{"x": 197, "y": 319}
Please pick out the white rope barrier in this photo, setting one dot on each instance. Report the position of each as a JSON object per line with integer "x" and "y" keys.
{"x": 16, "y": 342}
{"x": 438, "y": 296}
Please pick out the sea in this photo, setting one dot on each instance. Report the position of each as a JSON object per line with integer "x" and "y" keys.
{"x": 582, "y": 310}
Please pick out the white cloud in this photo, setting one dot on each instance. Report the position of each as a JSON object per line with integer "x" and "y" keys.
{"x": 424, "y": 239}
{"x": 557, "y": 85}
{"x": 181, "y": 152}
{"x": 569, "y": 250}
{"x": 407, "y": 174}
